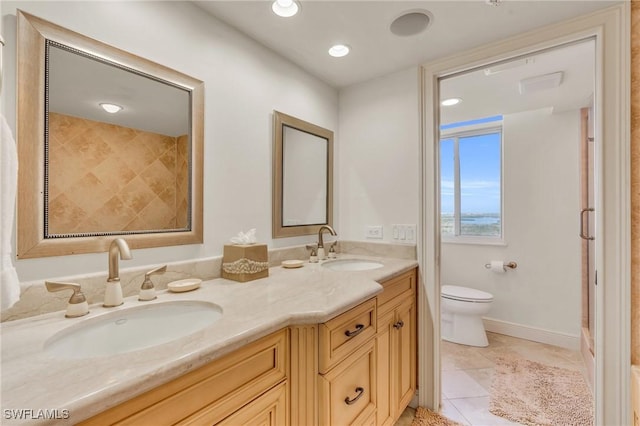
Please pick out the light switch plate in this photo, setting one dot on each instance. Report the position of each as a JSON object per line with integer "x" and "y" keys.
{"x": 403, "y": 233}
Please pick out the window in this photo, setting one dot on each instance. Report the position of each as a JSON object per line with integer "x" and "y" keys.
{"x": 471, "y": 180}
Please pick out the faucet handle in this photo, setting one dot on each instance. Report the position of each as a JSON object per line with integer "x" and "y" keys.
{"x": 147, "y": 290}
{"x": 332, "y": 250}
{"x": 313, "y": 256}
{"x": 77, "y": 305}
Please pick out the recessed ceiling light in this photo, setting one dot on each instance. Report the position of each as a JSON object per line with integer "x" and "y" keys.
{"x": 451, "y": 102}
{"x": 111, "y": 108}
{"x": 410, "y": 23}
{"x": 285, "y": 8}
{"x": 339, "y": 50}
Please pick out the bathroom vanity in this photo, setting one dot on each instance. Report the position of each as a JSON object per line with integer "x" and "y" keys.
{"x": 304, "y": 346}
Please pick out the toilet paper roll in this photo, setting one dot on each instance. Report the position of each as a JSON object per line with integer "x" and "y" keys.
{"x": 497, "y": 266}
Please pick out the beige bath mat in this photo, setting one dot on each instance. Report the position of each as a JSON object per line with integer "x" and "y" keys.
{"x": 426, "y": 417}
{"x": 531, "y": 393}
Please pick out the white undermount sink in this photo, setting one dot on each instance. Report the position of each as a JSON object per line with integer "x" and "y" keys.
{"x": 352, "y": 265}
{"x": 132, "y": 329}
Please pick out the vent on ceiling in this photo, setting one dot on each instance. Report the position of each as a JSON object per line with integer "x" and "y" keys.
{"x": 495, "y": 69}
{"x": 541, "y": 82}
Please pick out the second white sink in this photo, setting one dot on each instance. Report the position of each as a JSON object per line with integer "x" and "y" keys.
{"x": 352, "y": 265}
{"x": 132, "y": 329}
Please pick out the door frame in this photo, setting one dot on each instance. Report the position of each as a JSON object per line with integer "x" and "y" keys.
{"x": 611, "y": 29}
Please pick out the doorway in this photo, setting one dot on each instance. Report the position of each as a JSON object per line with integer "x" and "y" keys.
{"x": 610, "y": 29}
{"x": 510, "y": 192}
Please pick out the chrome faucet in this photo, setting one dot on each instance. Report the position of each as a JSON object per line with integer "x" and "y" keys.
{"x": 119, "y": 249}
{"x": 321, "y": 252}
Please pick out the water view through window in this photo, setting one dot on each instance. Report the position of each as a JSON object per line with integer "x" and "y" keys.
{"x": 470, "y": 180}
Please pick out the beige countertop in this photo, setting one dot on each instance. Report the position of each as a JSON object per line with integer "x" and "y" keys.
{"x": 33, "y": 381}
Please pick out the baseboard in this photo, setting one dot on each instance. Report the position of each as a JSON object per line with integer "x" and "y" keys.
{"x": 414, "y": 401}
{"x": 532, "y": 333}
{"x": 588, "y": 358}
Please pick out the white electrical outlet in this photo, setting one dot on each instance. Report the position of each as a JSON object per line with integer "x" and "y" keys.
{"x": 374, "y": 232}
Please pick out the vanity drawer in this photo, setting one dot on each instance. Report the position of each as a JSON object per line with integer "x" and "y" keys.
{"x": 266, "y": 410}
{"x": 401, "y": 285}
{"x": 223, "y": 386}
{"x": 343, "y": 334}
{"x": 348, "y": 392}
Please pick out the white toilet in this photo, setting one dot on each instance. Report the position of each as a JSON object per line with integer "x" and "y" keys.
{"x": 462, "y": 311}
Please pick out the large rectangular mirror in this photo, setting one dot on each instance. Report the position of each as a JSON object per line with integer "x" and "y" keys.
{"x": 303, "y": 176}
{"x": 108, "y": 144}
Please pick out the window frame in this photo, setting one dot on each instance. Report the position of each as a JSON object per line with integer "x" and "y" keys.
{"x": 456, "y": 133}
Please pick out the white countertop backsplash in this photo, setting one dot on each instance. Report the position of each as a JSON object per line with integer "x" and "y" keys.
{"x": 33, "y": 380}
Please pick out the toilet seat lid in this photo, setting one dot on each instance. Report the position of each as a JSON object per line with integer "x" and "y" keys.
{"x": 465, "y": 294}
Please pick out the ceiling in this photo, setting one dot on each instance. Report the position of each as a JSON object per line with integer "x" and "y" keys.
{"x": 364, "y": 25}
{"x": 499, "y": 92}
{"x": 77, "y": 84}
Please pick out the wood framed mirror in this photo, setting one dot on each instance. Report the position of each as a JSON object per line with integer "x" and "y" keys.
{"x": 302, "y": 176}
{"x": 87, "y": 175}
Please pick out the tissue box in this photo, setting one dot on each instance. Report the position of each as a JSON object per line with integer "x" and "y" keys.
{"x": 245, "y": 262}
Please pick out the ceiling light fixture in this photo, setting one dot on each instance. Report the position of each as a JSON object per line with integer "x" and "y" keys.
{"x": 285, "y": 8}
{"x": 111, "y": 108}
{"x": 451, "y": 102}
{"x": 339, "y": 50}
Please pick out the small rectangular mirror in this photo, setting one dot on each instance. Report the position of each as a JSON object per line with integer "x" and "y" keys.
{"x": 303, "y": 177}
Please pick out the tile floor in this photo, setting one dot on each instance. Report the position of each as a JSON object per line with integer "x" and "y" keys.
{"x": 467, "y": 373}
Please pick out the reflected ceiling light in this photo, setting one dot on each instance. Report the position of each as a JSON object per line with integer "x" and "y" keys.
{"x": 285, "y": 8}
{"x": 339, "y": 50}
{"x": 111, "y": 108}
{"x": 451, "y": 102}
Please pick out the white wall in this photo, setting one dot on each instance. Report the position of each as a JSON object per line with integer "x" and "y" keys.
{"x": 541, "y": 223}
{"x": 379, "y": 164}
{"x": 244, "y": 83}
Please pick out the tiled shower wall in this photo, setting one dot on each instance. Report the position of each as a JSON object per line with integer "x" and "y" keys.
{"x": 635, "y": 182}
{"x": 105, "y": 177}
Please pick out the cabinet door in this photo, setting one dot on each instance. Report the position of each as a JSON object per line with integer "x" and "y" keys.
{"x": 404, "y": 343}
{"x": 269, "y": 409}
{"x": 386, "y": 396}
{"x": 348, "y": 391}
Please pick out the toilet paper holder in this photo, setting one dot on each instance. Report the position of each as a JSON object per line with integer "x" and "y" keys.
{"x": 510, "y": 265}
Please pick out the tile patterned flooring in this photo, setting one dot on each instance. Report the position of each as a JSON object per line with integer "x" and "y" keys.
{"x": 467, "y": 372}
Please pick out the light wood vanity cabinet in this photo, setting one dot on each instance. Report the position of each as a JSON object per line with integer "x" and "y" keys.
{"x": 396, "y": 347}
{"x": 378, "y": 368}
{"x": 347, "y": 367}
{"x": 250, "y": 383}
{"x": 358, "y": 368}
